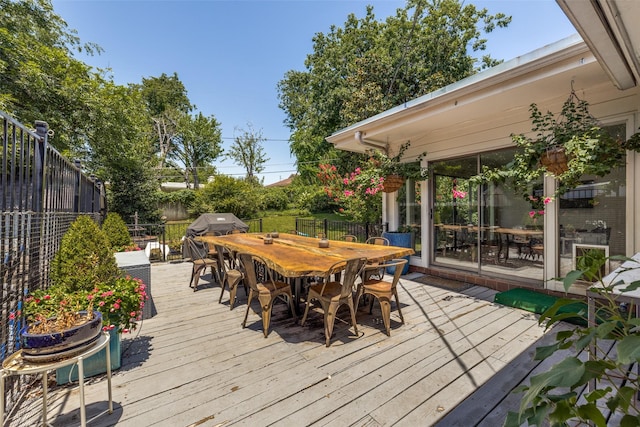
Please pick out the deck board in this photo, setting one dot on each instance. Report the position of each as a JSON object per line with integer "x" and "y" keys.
{"x": 192, "y": 364}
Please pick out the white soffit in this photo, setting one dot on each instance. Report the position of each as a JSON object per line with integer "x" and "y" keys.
{"x": 610, "y": 29}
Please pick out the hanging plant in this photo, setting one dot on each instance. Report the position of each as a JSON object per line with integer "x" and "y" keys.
{"x": 393, "y": 171}
{"x": 568, "y": 147}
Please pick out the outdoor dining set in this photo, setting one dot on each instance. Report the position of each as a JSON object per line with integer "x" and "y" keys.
{"x": 291, "y": 267}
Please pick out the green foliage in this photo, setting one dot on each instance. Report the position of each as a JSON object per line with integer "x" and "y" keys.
{"x": 247, "y": 151}
{"x": 84, "y": 259}
{"x": 365, "y": 66}
{"x": 116, "y": 232}
{"x": 275, "y": 198}
{"x": 386, "y": 165}
{"x": 120, "y": 300}
{"x": 314, "y": 199}
{"x": 551, "y": 398}
{"x": 183, "y": 197}
{"x": 197, "y": 143}
{"x": 590, "y": 150}
{"x": 228, "y": 194}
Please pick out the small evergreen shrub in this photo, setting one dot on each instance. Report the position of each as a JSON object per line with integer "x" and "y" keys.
{"x": 116, "y": 231}
{"x": 85, "y": 258}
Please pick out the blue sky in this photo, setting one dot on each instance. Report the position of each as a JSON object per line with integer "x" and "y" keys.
{"x": 230, "y": 55}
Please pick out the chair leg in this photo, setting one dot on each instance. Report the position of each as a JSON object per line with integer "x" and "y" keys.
{"x": 266, "y": 302}
{"x": 385, "y": 307}
{"x": 293, "y": 308}
{"x": 306, "y": 311}
{"x": 395, "y": 293}
{"x": 222, "y": 289}
{"x": 246, "y": 314}
{"x": 329, "y": 320}
{"x": 233, "y": 289}
{"x": 353, "y": 315}
{"x": 195, "y": 277}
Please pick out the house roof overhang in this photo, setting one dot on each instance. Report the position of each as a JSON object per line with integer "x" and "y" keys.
{"x": 604, "y": 54}
{"x": 499, "y": 94}
{"x": 610, "y": 29}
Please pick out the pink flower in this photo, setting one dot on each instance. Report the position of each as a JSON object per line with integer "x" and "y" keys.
{"x": 12, "y": 316}
{"x": 540, "y": 212}
{"x": 532, "y": 214}
{"x": 101, "y": 303}
{"x": 116, "y": 306}
{"x": 133, "y": 314}
{"x": 47, "y": 297}
{"x": 547, "y": 200}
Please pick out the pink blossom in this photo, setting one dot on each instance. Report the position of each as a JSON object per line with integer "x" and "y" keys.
{"x": 532, "y": 214}
{"x": 47, "y": 297}
{"x": 540, "y": 212}
{"x": 12, "y": 316}
{"x": 101, "y": 303}
{"x": 547, "y": 200}
{"x": 358, "y": 170}
{"x": 132, "y": 314}
{"x": 345, "y": 181}
{"x": 116, "y": 306}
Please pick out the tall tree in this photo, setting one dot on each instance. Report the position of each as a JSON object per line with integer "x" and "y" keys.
{"x": 197, "y": 144}
{"x": 167, "y": 102}
{"x": 39, "y": 78}
{"x": 368, "y": 66}
{"x": 247, "y": 151}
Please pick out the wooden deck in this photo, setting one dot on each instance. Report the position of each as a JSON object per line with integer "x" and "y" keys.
{"x": 193, "y": 365}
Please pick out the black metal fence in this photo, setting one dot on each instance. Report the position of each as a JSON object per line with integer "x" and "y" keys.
{"x": 334, "y": 230}
{"x": 41, "y": 194}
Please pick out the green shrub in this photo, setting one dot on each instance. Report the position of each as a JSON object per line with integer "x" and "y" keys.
{"x": 315, "y": 200}
{"x": 116, "y": 231}
{"x": 227, "y": 194}
{"x": 275, "y": 199}
{"x": 85, "y": 258}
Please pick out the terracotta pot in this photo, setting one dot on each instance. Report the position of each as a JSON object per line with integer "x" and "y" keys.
{"x": 392, "y": 183}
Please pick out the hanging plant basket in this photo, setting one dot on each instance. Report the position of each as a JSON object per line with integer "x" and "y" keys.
{"x": 392, "y": 183}
{"x": 555, "y": 160}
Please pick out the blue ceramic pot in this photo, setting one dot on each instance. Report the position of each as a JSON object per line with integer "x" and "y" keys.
{"x": 42, "y": 347}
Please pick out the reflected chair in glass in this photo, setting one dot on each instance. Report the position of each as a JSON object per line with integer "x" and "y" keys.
{"x": 332, "y": 294}
{"x": 231, "y": 277}
{"x": 199, "y": 252}
{"x": 383, "y": 291}
{"x": 266, "y": 290}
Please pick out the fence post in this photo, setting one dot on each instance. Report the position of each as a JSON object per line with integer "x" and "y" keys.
{"x": 42, "y": 130}
{"x": 78, "y": 183}
{"x": 325, "y": 225}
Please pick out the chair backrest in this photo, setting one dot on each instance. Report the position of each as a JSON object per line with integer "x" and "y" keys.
{"x": 248, "y": 267}
{"x": 212, "y": 233}
{"x": 196, "y": 249}
{"x": 351, "y": 270}
{"x": 220, "y": 251}
{"x": 378, "y": 240}
{"x": 349, "y": 238}
{"x": 399, "y": 266}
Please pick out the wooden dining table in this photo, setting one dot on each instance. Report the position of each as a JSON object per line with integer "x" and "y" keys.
{"x": 296, "y": 257}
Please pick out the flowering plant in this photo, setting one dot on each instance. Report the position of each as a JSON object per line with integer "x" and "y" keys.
{"x": 538, "y": 205}
{"x": 120, "y": 302}
{"x": 357, "y": 193}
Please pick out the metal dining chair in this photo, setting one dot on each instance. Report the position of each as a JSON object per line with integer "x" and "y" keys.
{"x": 333, "y": 294}
{"x": 199, "y": 252}
{"x": 266, "y": 290}
{"x": 349, "y": 238}
{"x": 231, "y": 277}
{"x": 383, "y": 291}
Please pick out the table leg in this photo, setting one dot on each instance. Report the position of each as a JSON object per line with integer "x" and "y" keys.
{"x": 2, "y": 397}
{"x": 83, "y": 414}
{"x": 108, "y": 350}
{"x": 45, "y": 389}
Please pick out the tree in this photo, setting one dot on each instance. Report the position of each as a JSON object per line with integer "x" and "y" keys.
{"x": 39, "y": 78}
{"x": 368, "y": 66}
{"x": 246, "y": 151}
{"x": 196, "y": 144}
{"x": 167, "y": 101}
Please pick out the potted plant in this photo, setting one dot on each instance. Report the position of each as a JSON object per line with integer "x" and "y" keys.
{"x": 84, "y": 277}
{"x": 569, "y": 146}
{"x": 393, "y": 171}
{"x": 554, "y": 396}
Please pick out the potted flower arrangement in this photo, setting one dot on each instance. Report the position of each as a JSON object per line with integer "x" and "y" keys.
{"x": 569, "y": 146}
{"x": 85, "y": 279}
